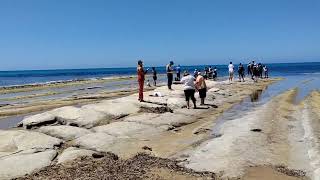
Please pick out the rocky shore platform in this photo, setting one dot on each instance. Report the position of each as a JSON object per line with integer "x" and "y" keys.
{"x": 122, "y": 138}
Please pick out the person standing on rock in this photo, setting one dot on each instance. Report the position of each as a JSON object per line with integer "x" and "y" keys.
{"x": 178, "y": 71}
{"x": 241, "y": 72}
{"x": 155, "y": 77}
{"x": 201, "y": 87}
{"x": 169, "y": 69}
{"x": 231, "y": 71}
{"x": 189, "y": 89}
{"x": 141, "y": 77}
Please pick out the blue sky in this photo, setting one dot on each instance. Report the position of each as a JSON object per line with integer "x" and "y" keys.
{"x": 54, "y": 34}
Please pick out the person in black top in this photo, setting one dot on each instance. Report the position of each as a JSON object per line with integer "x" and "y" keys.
{"x": 215, "y": 73}
{"x": 169, "y": 69}
{"x": 154, "y": 72}
{"x": 241, "y": 72}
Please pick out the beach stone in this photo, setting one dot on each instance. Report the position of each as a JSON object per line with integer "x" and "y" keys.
{"x": 22, "y": 140}
{"x": 21, "y": 164}
{"x": 72, "y": 153}
{"x": 176, "y": 103}
{"x": 64, "y": 132}
{"x": 100, "y": 142}
{"x": 81, "y": 117}
{"x": 127, "y": 129}
{"x": 37, "y": 120}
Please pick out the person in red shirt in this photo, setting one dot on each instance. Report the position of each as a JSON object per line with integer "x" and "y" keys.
{"x": 141, "y": 77}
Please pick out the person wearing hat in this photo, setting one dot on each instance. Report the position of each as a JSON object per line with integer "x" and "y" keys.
{"x": 169, "y": 69}
{"x": 201, "y": 87}
{"x": 141, "y": 77}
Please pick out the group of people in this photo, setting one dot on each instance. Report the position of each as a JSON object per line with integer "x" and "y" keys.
{"x": 191, "y": 83}
{"x": 255, "y": 70}
{"x": 209, "y": 73}
{"x": 197, "y": 81}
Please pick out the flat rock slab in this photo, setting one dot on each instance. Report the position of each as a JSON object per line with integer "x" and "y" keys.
{"x": 162, "y": 120}
{"x": 21, "y": 140}
{"x": 128, "y": 129}
{"x": 100, "y": 142}
{"x": 113, "y": 108}
{"x": 176, "y": 103}
{"x": 72, "y": 153}
{"x": 21, "y": 164}
{"x": 37, "y": 120}
{"x": 81, "y": 117}
{"x": 64, "y": 132}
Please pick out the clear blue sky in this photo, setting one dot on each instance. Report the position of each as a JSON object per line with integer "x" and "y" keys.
{"x": 50, "y": 34}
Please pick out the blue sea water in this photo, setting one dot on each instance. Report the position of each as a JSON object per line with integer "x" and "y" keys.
{"x": 9, "y": 78}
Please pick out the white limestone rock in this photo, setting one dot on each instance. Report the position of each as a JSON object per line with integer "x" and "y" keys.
{"x": 100, "y": 142}
{"x": 72, "y": 153}
{"x": 22, "y": 164}
{"x": 81, "y": 117}
{"x": 176, "y": 103}
{"x": 127, "y": 129}
{"x": 13, "y": 141}
{"x": 37, "y": 120}
{"x": 64, "y": 132}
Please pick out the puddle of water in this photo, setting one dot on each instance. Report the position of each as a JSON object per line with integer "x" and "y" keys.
{"x": 304, "y": 83}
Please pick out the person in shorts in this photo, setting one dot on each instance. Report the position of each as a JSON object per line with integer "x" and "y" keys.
{"x": 189, "y": 89}
{"x": 231, "y": 71}
{"x": 201, "y": 87}
{"x": 154, "y": 76}
{"x": 169, "y": 69}
{"x": 241, "y": 72}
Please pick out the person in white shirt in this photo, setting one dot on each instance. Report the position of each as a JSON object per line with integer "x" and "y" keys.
{"x": 189, "y": 89}
{"x": 231, "y": 71}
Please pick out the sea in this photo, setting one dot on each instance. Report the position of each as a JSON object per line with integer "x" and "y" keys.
{"x": 13, "y": 78}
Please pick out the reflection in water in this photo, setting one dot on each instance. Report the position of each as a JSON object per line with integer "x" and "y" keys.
{"x": 305, "y": 84}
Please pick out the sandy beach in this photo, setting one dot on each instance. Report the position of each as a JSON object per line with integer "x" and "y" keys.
{"x": 161, "y": 139}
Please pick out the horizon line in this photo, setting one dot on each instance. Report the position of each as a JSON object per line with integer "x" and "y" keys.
{"x": 59, "y": 69}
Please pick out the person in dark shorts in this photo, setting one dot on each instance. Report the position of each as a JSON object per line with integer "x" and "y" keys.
{"x": 249, "y": 69}
{"x": 215, "y": 73}
{"x": 169, "y": 69}
{"x": 266, "y": 73}
{"x": 154, "y": 76}
{"x": 189, "y": 89}
{"x": 241, "y": 72}
{"x": 201, "y": 87}
{"x": 178, "y": 71}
